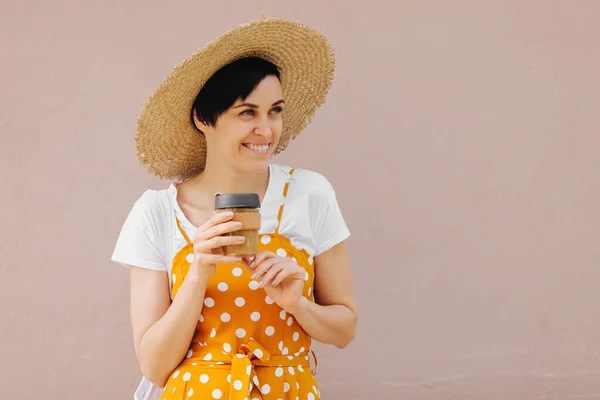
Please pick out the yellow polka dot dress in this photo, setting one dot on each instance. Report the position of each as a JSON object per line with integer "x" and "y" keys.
{"x": 245, "y": 346}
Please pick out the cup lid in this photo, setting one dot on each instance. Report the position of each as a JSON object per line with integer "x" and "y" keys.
{"x": 237, "y": 200}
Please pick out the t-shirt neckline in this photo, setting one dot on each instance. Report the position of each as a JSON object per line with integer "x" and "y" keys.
{"x": 183, "y": 219}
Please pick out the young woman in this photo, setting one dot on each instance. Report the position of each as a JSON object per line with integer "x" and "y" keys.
{"x": 211, "y": 326}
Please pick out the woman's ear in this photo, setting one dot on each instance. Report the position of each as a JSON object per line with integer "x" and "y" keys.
{"x": 200, "y": 125}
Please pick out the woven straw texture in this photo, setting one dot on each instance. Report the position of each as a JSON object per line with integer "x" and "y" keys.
{"x": 167, "y": 142}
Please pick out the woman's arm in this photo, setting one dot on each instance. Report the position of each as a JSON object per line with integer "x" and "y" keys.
{"x": 333, "y": 317}
{"x": 162, "y": 332}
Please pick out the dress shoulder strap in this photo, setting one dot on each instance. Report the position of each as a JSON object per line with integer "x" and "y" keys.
{"x": 285, "y": 190}
{"x": 187, "y": 239}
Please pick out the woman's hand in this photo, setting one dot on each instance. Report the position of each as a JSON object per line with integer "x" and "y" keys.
{"x": 209, "y": 242}
{"x": 281, "y": 278}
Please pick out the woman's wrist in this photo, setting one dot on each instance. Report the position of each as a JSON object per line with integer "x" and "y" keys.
{"x": 199, "y": 275}
{"x": 300, "y": 307}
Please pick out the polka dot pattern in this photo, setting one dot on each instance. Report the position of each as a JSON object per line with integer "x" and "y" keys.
{"x": 265, "y": 389}
{"x": 266, "y": 239}
{"x": 240, "y": 322}
{"x": 209, "y": 302}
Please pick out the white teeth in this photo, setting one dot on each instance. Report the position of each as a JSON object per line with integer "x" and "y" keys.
{"x": 263, "y": 147}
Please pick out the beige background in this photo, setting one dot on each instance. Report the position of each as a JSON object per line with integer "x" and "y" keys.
{"x": 462, "y": 138}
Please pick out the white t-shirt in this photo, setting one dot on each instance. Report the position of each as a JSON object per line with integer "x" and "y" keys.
{"x": 311, "y": 219}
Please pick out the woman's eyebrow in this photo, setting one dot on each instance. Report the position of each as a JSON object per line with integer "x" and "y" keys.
{"x": 255, "y": 106}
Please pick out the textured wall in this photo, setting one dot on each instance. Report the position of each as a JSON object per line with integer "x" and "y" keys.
{"x": 462, "y": 138}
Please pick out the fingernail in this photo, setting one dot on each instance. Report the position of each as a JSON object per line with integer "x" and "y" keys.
{"x": 252, "y": 264}
{"x": 229, "y": 214}
{"x": 254, "y": 275}
{"x": 261, "y": 284}
{"x": 238, "y": 224}
{"x": 241, "y": 238}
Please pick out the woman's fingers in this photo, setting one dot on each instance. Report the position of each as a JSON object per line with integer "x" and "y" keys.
{"x": 270, "y": 274}
{"x": 263, "y": 255}
{"x": 246, "y": 261}
{"x": 221, "y": 241}
{"x": 281, "y": 276}
{"x": 262, "y": 268}
{"x": 269, "y": 268}
{"x": 217, "y": 218}
{"x": 220, "y": 229}
{"x": 208, "y": 259}
{"x": 212, "y": 238}
{"x": 208, "y": 244}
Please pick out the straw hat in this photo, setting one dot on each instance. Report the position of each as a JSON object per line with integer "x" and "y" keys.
{"x": 168, "y": 143}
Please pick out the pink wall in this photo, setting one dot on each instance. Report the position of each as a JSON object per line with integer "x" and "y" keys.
{"x": 463, "y": 140}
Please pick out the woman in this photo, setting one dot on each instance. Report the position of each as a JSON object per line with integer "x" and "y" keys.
{"x": 211, "y": 326}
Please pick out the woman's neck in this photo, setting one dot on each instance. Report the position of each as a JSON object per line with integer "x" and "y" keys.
{"x": 221, "y": 179}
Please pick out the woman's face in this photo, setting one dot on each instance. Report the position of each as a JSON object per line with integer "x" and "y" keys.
{"x": 246, "y": 135}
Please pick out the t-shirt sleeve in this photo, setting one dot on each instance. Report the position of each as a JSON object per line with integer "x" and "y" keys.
{"x": 330, "y": 227}
{"x": 138, "y": 243}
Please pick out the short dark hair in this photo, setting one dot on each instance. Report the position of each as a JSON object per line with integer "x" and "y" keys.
{"x": 234, "y": 81}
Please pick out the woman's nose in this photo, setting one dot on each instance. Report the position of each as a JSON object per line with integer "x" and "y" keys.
{"x": 263, "y": 128}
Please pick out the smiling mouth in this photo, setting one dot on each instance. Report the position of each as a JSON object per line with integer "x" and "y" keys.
{"x": 263, "y": 148}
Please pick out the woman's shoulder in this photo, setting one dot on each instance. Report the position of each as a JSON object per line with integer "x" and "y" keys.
{"x": 153, "y": 205}
{"x": 309, "y": 180}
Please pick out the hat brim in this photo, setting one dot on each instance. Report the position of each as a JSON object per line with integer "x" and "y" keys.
{"x": 167, "y": 142}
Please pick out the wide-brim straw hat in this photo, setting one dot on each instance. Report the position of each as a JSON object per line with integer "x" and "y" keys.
{"x": 168, "y": 143}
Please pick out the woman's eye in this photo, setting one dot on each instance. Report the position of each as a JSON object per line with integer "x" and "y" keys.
{"x": 277, "y": 110}
{"x": 247, "y": 112}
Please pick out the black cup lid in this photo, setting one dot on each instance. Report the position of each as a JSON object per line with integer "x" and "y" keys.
{"x": 237, "y": 200}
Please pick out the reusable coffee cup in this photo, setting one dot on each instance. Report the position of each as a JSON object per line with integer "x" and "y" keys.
{"x": 246, "y": 209}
